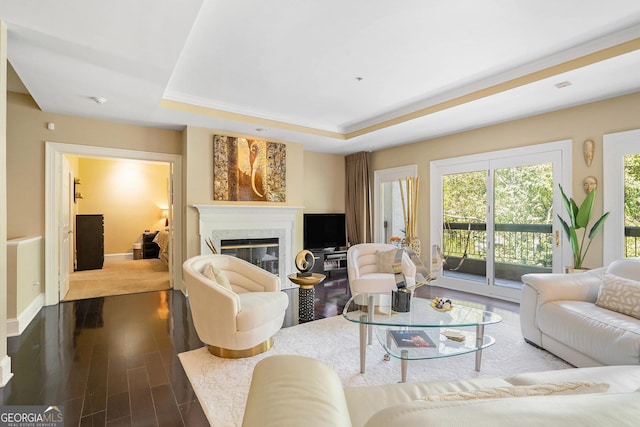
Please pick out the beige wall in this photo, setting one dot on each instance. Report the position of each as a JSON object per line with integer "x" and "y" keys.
{"x": 324, "y": 182}
{"x": 589, "y": 121}
{"x": 130, "y": 194}
{"x": 198, "y": 182}
{"x": 26, "y": 136}
{"x": 24, "y": 268}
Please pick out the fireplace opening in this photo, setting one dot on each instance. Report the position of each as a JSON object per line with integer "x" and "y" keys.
{"x": 262, "y": 252}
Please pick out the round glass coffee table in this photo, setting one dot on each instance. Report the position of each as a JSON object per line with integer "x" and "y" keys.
{"x": 423, "y": 332}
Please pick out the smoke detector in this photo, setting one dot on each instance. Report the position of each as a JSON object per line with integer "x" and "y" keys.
{"x": 99, "y": 99}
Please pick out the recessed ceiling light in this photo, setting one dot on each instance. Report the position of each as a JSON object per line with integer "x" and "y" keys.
{"x": 99, "y": 99}
{"x": 358, "y": 78}
{"x": 565, "y": 83}
{"x": 261, "y": 130}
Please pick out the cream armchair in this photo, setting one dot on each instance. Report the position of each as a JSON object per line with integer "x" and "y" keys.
{"x": 365, "y": 276}
{"x": 235, "y": 322}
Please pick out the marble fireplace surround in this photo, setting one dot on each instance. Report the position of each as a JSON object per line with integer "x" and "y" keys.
{"x": 223, "y": 222}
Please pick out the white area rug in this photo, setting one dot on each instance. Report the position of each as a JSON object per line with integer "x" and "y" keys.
{"x": 222, "y": 384}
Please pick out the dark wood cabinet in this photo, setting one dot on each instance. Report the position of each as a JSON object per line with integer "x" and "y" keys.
{"x": 150, "y": 249}
{"x": 328, "y": 261}
{"x": 89, "y": 242}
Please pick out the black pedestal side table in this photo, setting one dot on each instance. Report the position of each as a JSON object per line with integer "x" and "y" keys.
{"x": 306, "y": 294}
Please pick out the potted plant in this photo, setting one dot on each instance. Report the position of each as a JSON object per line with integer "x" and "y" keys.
{"x": 579, "y": 218}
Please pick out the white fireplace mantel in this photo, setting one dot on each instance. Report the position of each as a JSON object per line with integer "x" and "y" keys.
{"x": 221, "y": 222}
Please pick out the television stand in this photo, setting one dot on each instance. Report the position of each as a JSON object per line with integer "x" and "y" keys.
{"x": 328, "y": 261}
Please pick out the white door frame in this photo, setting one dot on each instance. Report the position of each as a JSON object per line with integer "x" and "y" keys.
{"x": 379, "y": 177}
{"x": 471, "y": 162}
{"x": 614, "y": 147}
{"x": 53, "y": 159}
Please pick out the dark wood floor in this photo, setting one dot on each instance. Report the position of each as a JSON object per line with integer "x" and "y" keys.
{"x": 113, "y": 361}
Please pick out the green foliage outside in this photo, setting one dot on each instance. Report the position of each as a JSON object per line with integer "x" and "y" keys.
{"x": 632, "y": 202}
{"x": 522, "y": 195}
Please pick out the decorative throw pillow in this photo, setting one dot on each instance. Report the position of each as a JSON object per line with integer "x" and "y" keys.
{"x": 216, "y": 275}
{"x": 385, "y": 260}
{"x": 620, "y": 295}
{"x": 221, "y": 278}
{"x": 575, "y": 387}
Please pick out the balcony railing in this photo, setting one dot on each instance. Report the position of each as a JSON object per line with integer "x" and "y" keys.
{"x": 632, "y": 242}
{"x": 519, "y": 248}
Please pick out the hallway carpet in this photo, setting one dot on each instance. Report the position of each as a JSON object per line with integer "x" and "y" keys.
{"x": 119, "y": 278}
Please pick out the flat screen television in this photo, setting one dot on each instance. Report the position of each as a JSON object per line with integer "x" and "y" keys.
{"x": 324, "y": 231}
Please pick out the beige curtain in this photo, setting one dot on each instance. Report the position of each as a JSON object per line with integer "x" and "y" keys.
{"x": 358, "y": 198}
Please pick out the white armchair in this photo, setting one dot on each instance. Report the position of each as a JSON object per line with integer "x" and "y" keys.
{"x": 236, "y": 322}
{"x": 365, "y": 277}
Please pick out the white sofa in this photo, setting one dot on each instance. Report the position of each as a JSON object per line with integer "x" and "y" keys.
{"x": 288, "y": 390}
{"x": 558, "y": 313}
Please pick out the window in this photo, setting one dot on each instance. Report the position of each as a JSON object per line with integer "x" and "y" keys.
{"x": 621, "y": 195}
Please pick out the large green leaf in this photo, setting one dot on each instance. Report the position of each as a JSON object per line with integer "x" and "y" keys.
{"x": 573, "y": 239}
{"x": 569, "y": 205}
{"x": 565, "y": 226}
{"x": 597, "y": 226}
{"x": 584, "y": 213}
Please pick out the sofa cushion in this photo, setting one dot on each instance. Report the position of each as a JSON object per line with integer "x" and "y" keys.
{"x": 289, "y": 390}
{"x": 544, "y": 389}
{"x": 600, "y": 409}
{"x": 629, "y": 268}
{"x": 260, "y": 308}
{"x": 608, "y": 337}
{"x": 619, "y": 294}
{"x": 364, "y": 402}
{"x": 621, "y": 378}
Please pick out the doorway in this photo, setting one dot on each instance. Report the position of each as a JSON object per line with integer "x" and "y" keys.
{"x": 56, "y": 269}
{"x": 388, "y": 216}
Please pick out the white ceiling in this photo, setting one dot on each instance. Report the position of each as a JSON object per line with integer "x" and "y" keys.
{"x": 338, "y": 76}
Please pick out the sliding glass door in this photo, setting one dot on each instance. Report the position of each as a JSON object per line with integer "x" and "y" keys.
{"x": 464, "y": 220}
{"x": 493, "y": 216}
{"x": 522, "y": 219}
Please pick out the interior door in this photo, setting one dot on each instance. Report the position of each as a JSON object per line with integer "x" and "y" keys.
{"x": 65, "y": 228}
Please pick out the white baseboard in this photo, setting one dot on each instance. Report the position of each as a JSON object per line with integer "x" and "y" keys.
{"x": 16, "y": 326}
{"x": 5, "y": 371}
{"x": 118, "y": 257}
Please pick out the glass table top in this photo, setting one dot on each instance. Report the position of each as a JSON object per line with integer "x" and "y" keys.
{"x": 424, "y": 332}
{"x": 421, "y": 314}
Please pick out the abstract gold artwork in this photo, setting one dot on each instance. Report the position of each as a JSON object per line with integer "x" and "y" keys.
{"x": 249, "y": 170}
